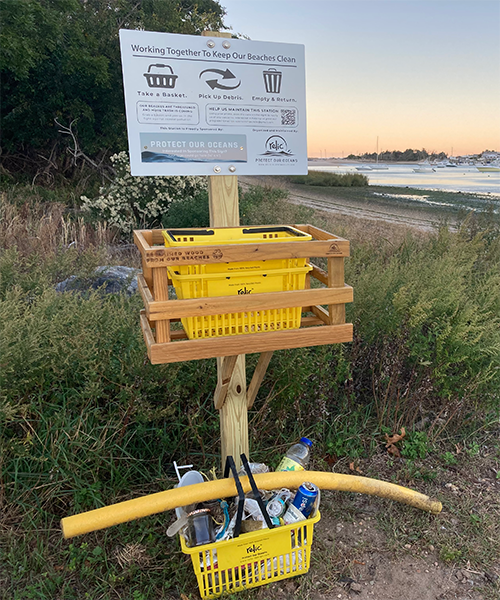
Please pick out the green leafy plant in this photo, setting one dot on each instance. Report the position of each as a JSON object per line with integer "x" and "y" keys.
{"x": 449, "y": 458}
{"x": 139, "y": 202}
{"x": 416, "y": 445}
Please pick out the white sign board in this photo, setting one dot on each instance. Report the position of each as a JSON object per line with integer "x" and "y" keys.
{"x": 206, "y": 106}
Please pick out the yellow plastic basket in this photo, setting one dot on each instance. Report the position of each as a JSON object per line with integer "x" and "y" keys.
{"x": 239, "y": 278}
{"x": 252, "y": 559}
{"x": 239, "y": 283}
{"x": 235, "y": 235}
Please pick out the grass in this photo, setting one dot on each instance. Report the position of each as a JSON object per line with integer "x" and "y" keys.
{"x": 86, "y": 421}
{"x": 443, "y": 204}
{"x": 324, "y": 179}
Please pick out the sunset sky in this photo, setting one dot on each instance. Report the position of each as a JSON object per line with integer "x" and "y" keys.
{"x": 415, "y": 73}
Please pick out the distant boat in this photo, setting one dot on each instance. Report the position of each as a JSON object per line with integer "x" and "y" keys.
{"x": 424, "y": 167}
{"x": 363, "y": 168}
{"x": 489, "y": 168}
{"x": 377, "y": 166}
{"x": 443, "y": 163}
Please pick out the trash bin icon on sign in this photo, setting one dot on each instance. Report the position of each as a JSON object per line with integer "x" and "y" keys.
{"x": 157, "y": 78}
{"x": 272, "y": 81}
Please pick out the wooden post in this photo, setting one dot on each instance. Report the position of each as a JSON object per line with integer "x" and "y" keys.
{"x": 336, "y": 280}
{"x": 224, "y": 212}
{"x": 223, "y": 198}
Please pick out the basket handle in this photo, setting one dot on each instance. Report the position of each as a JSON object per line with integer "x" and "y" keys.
{"x": 256, "y": 493}
{"x": 285, "y": 229}
{"x": 241, "y": 495}
{"x": 160, "y": 66}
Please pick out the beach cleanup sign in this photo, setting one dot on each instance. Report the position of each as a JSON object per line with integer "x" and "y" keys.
{"x": 213, "y": 106}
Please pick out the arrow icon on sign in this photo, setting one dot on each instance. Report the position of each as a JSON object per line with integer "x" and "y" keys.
{"x": 214, "y": 83}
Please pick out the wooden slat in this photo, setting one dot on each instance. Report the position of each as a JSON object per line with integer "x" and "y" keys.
{"x": 258, "y": 376}
{"x": 146, "y": 295}
{"x": 195, "y": 307}
{"x": 181, "y": 255}
{"x": 160, "y": 286}
{"x": 140, "y": 240}
{"x": 157, "y": 238}
{"x": 304, "y": 228}
{"x": 143, "y": 240}
{"x": 254, "y": 342}
{"x": 310, "y": 322}
{"x": 319, "y": 274}
{"x": 321, "y": 234}
{"x": 322, "y": 314}
{"x": 225, "y": 374}
{"x": 147, "y": 334}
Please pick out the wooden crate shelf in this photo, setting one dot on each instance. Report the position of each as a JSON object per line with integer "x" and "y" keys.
{"x": 166, "y": 344}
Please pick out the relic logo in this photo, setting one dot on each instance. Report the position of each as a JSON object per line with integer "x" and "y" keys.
{"x": 276, "y": 145}
{"x": 245, "y": 290}
{"x": 253, "y": 549}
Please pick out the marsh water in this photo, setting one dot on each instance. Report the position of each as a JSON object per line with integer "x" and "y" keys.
{"x": 463, "y": 178}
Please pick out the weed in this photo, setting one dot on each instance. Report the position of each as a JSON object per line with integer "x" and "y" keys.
{"x": 473, "y": 449}
{"x": 450, "y": 554}
{"x": 416, "y": 445}
{"x": 449, "y": 458}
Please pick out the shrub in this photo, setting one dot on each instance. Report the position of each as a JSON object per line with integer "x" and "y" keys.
{"x": 326, "y": 179}
{"x": 139, "y": 202}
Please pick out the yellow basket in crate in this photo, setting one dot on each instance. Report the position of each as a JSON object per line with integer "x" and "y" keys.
{"x": 239, "y": 283}
{"x": 238, "y": 278}
{"x": 235, "y": 235}
{"x": 253, "y": 559}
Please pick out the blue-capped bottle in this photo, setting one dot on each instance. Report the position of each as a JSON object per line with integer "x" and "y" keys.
{"x": 297, "y": 457}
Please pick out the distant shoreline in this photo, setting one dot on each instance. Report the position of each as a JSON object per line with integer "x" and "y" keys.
{"x": 331, "y": 162}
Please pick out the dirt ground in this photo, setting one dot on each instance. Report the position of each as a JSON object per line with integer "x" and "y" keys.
{"x": 383, "y": 210}
{"x": 368, "y": 548}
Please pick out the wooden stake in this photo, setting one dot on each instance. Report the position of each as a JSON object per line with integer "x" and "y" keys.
{"x": 224, "y": 212}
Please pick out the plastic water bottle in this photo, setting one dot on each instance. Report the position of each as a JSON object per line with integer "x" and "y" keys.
{"x": 297, "y": 457}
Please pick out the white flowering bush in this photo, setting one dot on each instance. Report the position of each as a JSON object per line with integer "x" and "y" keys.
{"x": 139, "y": 202}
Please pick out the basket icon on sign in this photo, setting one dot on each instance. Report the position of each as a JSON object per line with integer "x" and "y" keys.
{"x": 159, "y": 79}
{"x": 272, "y": 81}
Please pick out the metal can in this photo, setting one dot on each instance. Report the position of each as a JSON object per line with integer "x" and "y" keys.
{"x": 200, "y": 528}
{"x": 305, "y": 498}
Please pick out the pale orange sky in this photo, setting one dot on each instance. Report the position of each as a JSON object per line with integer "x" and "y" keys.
{"x": 415, "y": 73}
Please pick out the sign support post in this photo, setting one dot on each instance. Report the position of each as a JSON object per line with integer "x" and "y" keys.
{"x": 224, "y": 212}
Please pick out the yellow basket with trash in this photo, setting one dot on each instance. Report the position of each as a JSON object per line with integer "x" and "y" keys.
{"x": 238, "y": 278}
{"x": 253, "y": 559}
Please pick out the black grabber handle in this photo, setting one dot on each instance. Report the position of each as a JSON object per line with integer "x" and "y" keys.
{"x": 241, "y": 495}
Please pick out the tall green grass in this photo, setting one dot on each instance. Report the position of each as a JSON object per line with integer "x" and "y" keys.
{"x": 325, "y": 179}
